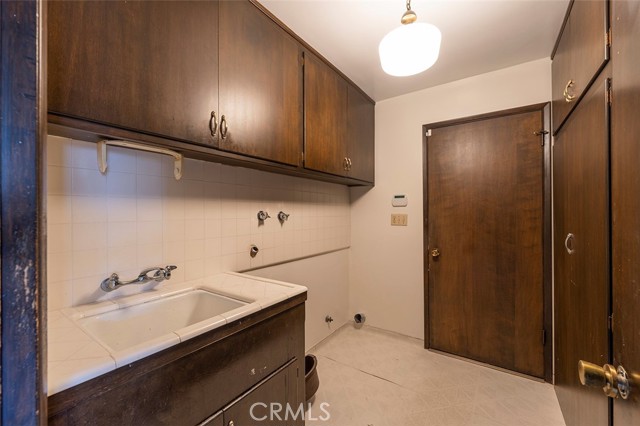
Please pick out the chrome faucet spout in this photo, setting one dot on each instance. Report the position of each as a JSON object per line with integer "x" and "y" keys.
{"x": 159, "y": 274}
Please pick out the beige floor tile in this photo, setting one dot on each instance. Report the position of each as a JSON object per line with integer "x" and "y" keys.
{"x": 370, "y": 377}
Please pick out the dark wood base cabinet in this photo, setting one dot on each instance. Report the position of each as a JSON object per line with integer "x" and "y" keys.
{"x": 229, "y": 376}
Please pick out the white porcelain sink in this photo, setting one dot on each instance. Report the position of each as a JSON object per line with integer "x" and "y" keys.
{"x": 130, "y": 326}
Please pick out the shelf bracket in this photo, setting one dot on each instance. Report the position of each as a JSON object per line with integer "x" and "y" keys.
{"x": 102, "y": 154}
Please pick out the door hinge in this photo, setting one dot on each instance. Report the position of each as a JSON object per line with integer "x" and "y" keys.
{"x": 428, "y": 133}
{"x": 607, "y": 38}
{"x": 610, "y": 322}
{"x": 609, "y": 95}
{"x": 542, "y": 133}
{"x": 544, "y": 337}
{"x": 302, "y": 157}
{"x": 302, "y": 59}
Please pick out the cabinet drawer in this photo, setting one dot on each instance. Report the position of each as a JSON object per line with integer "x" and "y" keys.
{"x": 582, "y": 52}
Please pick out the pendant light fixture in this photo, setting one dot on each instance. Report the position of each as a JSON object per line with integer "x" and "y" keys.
{"x": 410, "y": 49}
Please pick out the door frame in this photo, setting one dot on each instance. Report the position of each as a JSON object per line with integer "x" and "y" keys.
{"x": 23, "y": 398}
{"x": 547, "y": 241}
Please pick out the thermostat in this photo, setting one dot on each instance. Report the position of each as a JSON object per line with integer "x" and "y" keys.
{"x": 399, "y": 201}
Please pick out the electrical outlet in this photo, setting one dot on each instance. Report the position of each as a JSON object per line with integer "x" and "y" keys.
{"x": 399, "y": 219}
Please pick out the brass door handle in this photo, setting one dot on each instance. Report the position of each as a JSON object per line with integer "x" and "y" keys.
{"x": 435, "y": 253}
{"x": 567, "y": 96}
{"x": 613, "y": 381}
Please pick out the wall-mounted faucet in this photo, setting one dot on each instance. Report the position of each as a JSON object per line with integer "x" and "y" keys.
{"x": 262, "y": 216}
{"x": 282, "y": 217}
{"x": 159, "y": 274}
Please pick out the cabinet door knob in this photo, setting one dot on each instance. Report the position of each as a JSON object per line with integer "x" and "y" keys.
{"x": 568, "y": 243}
{"x": 567, "y": 96}
{"x": 213, "y": 124}
{"x": 231, "y": 423}
{"x": 345, "y": 163}
{"x": 224, "y": 129}
{"x": 349, "y": 163}
{"x": 435, "y": 253}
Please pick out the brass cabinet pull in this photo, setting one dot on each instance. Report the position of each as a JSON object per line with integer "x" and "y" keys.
{"x": 568, "y": 243}
{"x": 349, "y": 162}
{"x": 345, "y": 164}
{"x": 567, "y": 96}
{"x": 213, "y": 124}
{"x": 613, "y": 381}
{"x": 223, "y": 127}
{"x": 435, "y": 253}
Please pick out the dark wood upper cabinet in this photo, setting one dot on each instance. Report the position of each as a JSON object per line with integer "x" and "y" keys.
{"x": 339, "y": 123}
{"x": 360, "y": 135}
{"x": 147, "y": 66}
{"x": 260, "y": 85}
{"x": 582, "y": 51}
{"x": 215, "y": 80}
{"x": 325, "y": 111}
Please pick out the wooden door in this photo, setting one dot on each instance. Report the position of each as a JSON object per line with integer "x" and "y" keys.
{"x": 325, "y": 110}
{"x": 485, "y": 218}
{"x": 360, "y": 135}
{"x": 260, "y": 85}
{"x": 582, "y": 257}
{"x": 148, "y": 66}
{"x": 625, "y": 208}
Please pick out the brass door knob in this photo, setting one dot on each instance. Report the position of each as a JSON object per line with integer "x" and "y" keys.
{"x": 613, "y": 381}
{"x": 435, "y": 253}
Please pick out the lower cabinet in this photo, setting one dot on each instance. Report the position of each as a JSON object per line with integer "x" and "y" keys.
{"x": 267, "y": 403}
{"x": 214, "y": 379}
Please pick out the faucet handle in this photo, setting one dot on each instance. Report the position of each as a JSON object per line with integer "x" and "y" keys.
{"x": 167, "y": 271}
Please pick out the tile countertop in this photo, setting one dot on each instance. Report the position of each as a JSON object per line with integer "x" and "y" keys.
{"x": 75, "y": 357}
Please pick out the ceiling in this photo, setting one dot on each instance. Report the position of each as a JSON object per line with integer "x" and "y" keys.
{"x": 478, "y": 36}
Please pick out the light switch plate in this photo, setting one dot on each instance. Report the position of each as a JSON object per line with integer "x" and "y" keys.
{"x": 399, "y": 219}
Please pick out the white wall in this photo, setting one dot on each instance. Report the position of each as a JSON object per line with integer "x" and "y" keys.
{"x": 327, "y": 279}
{"x": 138, "y": 216}
{"x": 386, "y": 266}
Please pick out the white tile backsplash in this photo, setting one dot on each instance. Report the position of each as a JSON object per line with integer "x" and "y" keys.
{"x": 138, "y": 216}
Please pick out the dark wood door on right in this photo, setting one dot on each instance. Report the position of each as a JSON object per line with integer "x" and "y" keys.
{"x": 485, "y": 211}
{"x": 582, "y": 255}
{"x": 151, "y": 67}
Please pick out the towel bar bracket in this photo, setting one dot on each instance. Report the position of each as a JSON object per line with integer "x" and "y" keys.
{"x": 102, "y": 154}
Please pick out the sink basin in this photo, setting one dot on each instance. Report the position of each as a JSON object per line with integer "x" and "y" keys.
{"x": 132, "y": 325}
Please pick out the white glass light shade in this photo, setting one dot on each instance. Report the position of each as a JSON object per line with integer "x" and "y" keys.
{"x": 410, "y": 49}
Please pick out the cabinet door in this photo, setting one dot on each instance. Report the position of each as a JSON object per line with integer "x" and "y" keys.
{"x": 271, "y": 402}
{"x": 325, "y": 105}
{"x": 581, "y": 54}
{"x": 260, "y": 85}
{"x": 360, "y": 135}
{"x": 582, "y": 255}
{"x": 147, "y": 66}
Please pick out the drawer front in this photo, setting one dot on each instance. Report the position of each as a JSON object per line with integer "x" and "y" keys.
{"x": 582, "y": 52}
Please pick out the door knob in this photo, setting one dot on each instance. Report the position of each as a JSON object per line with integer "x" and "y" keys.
{"x": 435, "y": 253}
{"x": 613, "y": 381}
